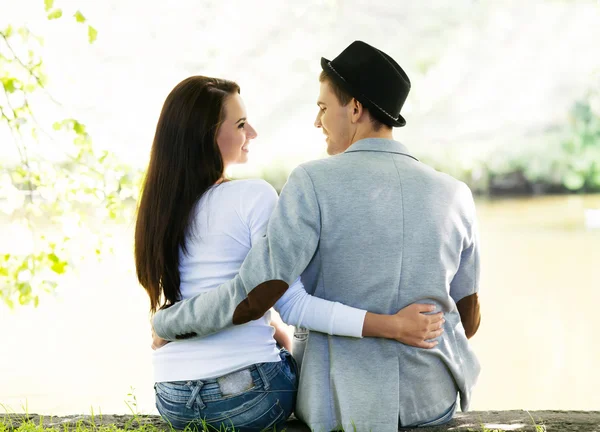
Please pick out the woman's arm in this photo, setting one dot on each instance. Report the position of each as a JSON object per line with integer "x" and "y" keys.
{"x": 300, "y": 309}
{"x": 414, "y": 325}
{"x": 410, "y": 325}
{"x": 281, "y": 334}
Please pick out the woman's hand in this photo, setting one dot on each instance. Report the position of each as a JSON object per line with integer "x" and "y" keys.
{"x": 157, "y": 342}
{"x": 412, "y": 325}
{"x": 281, "y": 335}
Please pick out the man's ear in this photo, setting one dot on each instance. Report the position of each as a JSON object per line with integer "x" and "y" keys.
{"x": 357, "y": 110}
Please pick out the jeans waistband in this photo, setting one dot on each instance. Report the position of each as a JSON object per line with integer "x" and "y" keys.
{"x": 261, "y": 374}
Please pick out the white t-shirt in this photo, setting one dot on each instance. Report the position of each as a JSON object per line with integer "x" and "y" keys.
{"x": 226, "y": 222}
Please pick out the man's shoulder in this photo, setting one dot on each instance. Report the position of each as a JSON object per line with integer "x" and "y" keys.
{"x": 444, "y": 180}
{"x": 443, "y": 184}
{"x": 448, "y": 179}
{"x": 319, "y": 166}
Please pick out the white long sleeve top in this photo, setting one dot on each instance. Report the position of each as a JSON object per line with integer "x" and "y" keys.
{"x": 227, "y": 220}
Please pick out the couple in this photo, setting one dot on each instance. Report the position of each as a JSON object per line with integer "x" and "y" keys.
{"x": 372, "y": 251}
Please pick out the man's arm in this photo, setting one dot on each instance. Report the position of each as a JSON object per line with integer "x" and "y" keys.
{"x": 464, "y": 287}
{"x": 272, "y": 264}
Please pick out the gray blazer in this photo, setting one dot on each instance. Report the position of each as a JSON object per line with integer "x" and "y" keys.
{"x": 375, "y": 229}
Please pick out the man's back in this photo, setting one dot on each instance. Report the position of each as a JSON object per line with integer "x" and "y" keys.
{"x": 392, "y": 233}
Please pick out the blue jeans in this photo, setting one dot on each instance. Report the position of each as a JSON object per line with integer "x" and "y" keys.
{"x": 258, "y": 398}
{"x": 442, "y": 420}
{"x": 445, "y": 418}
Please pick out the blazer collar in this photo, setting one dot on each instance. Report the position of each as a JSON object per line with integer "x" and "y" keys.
{"x": 380, "y": 145}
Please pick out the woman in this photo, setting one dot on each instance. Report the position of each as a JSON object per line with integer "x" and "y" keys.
{"x": 193, "y": 231}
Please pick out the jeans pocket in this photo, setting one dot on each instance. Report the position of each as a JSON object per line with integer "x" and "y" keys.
{"x": 277, "y": 416}
{"x": 265, "y": 415}
{"x": 171, "y": 403}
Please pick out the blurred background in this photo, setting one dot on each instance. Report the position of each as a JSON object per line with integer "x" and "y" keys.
{"x": 505, "y": 96}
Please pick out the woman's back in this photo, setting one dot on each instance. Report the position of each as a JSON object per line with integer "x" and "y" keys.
{"x": 225, "y": 222}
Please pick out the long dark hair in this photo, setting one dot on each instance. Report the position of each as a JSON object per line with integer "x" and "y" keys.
{"x": 185, "y": 162}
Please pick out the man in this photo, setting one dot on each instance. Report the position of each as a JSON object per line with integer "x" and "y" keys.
{"x": 374, "y": 228}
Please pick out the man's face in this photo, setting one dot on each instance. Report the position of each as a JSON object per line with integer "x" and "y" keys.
{"x": 334, "y": 119}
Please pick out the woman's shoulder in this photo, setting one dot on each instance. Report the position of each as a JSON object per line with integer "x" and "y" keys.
{"x": 252, "y": 186}
{"x": 255, "y": 197}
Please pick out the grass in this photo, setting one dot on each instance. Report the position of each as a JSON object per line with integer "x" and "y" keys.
{"x": 537, "y": 427}
{"x": 138, "y": 423}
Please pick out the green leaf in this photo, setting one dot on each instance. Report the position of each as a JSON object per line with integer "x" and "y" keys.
{"x": 30, "y": 88}
{"x": 92, "y": 34}
{"x": 24, "y": 33}
{"x": 23, "y": 299}
{"x": 25, "y": 289}
{"x": 79, "y": 17}
{"x": 59, "y": 267}
{"x": 78, "y": 128}
{"x": 48, "y": 4}
{"x": 36, "y": 301}
{"x": 55, "y": 14}
{"x": 9, "y": 84}
{"x": 8, "y": 31}
{"x": 57, "y": 126}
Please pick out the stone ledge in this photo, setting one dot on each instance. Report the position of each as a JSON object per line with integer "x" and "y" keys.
{"x": 521, "y": 421}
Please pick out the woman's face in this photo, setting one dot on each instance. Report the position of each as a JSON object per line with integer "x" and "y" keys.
{"x": 235, "y": 133}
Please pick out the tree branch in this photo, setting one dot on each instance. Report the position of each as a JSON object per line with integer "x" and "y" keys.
{"x": 20, "y": 143}
{"x": 27, "y": 68}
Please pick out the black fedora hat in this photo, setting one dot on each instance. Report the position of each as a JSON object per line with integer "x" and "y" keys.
{"x": 373, "y": 78}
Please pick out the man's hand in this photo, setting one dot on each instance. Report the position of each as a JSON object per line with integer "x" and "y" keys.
{"x": 411, "y": 325}
{"x": 157, "y": 342}
{"x": 414, "y": 327}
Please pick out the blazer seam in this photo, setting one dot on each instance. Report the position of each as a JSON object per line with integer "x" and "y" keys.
{"x": 331, "y": 401}
{"x": 403, "y": 232}
{"x": 384, "y": 151}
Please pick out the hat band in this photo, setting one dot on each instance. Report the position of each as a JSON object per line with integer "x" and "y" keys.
{"x": 362, "y": 94}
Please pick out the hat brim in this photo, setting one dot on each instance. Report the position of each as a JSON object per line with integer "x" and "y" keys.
{"x": 383, "y": 117}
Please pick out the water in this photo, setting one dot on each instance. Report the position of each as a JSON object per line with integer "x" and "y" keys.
{"x": 540, "y": 290}
{"x": 540, "y": 287}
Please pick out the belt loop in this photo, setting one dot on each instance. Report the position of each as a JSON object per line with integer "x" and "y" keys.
{"x": 263, "y": 376}
{"x": 196, "y": 396}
